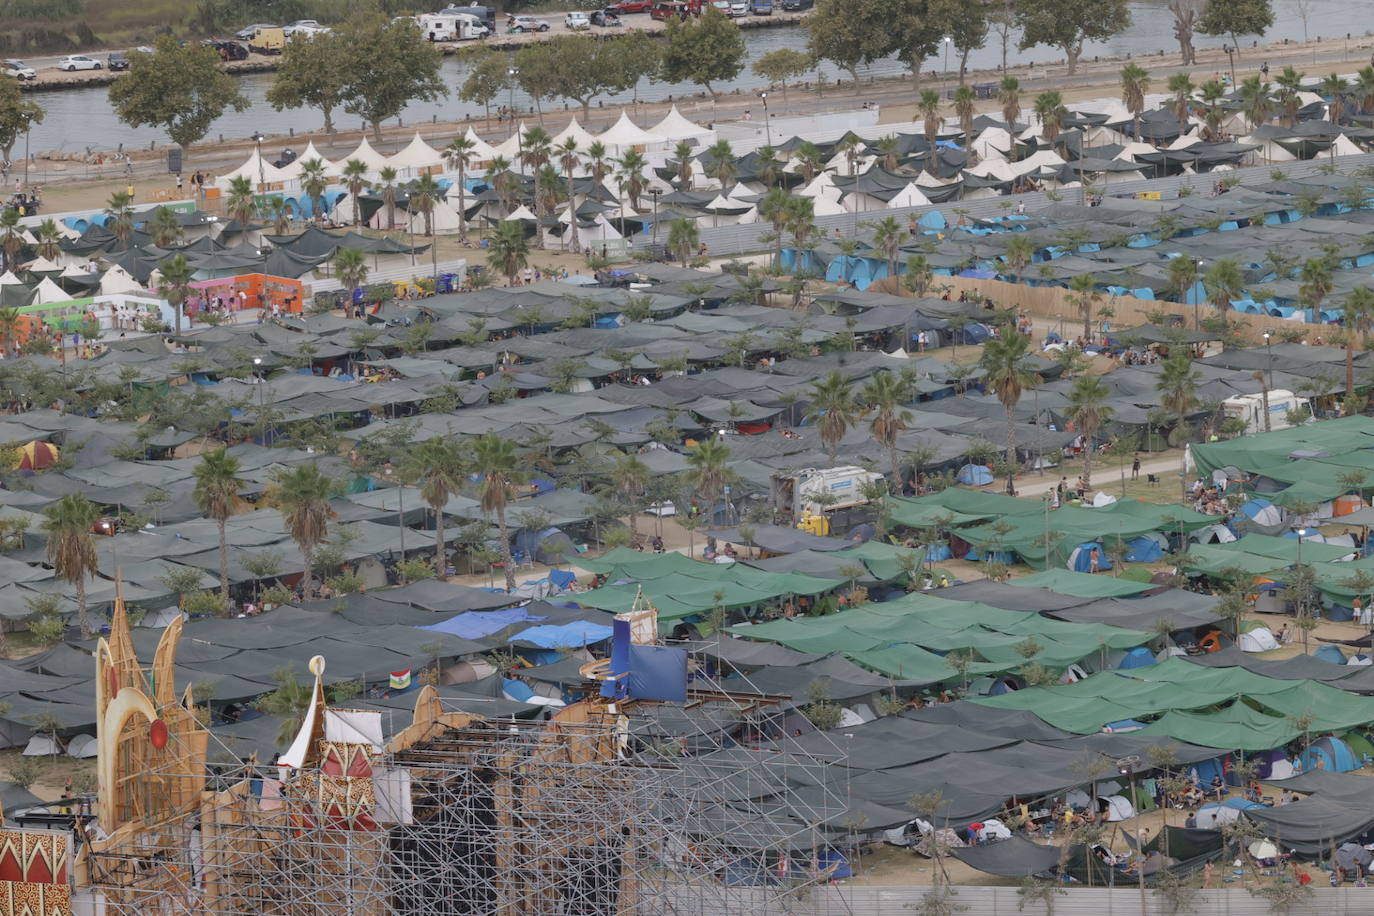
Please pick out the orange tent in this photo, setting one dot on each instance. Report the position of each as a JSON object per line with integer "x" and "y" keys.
{"x": 36, "y": 455}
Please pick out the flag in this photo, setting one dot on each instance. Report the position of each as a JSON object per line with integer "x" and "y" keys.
{"x": 400, "y": 680}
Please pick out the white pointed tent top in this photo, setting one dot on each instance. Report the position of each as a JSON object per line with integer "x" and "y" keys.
{"x": 116, "y": 280}
{"x": 1132, "y": 149}
{"x": 368, "y": 156}
{"x": 1344, "y": 146}
{"x": 520, "y": 212}
{"x": 255, "y": 169}
{"x": 9, "y": 279}
{"x": 295, "y": 168}
{"x": 819, "y": 185}
{"x": 40, "y": 265}
{"x": 627, "y": 133}
{"x": 417, "y": 155}
{"x": 1000, "y": 169}
{"x": 927, "y": 180}
{"x": 909, "y": 196}
{"x": 828, "y": 205}
{"x": 1185, "y": 141}
{"x": 574, "y": 131}
{"x": 47, "y": 291}
{"x": 675, "y": 127}
{"x": 511, "y": 146}
{"x": 72, "y": 270}
{"x": 481, "y": 149}
{"x": 443, "y": 219}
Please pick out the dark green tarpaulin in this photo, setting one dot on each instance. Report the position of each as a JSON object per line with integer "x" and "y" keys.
{"x": 1082, "y": 585}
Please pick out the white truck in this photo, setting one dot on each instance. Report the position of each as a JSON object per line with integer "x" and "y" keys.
{"x": 820, "y": 490}
{"x": 452, "y": 27}
{"x": 1250, "y": 408}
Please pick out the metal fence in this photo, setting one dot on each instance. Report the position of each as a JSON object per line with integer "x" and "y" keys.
{"x": 735, "y": 240}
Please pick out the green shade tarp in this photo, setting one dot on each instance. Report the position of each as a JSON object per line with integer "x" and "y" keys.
{"x": 1237, "y": 727}
{"x": 907, "y": 662}
{"x": 1254, "y": 454}
{"x": 1081, "y": 585}
{"x": 1307, "y": 492}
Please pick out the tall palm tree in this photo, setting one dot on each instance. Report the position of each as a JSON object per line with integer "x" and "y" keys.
{"x": 887, "y": 148}
{"x": 1335, "y": 87}
{"x": 175, "y": 285}
{"x": 801, "y": 222}
{"x": 119, "y": 208}
{"x": 425, "y": 195}
{"x": 502, "y": 471}
{"x": 302, "y": 495}
{"x": 1135, "y": 83}
{"x": 1007, "y": 373}
{"x": 10, "y": 322}
{"x": 71, "y": 548}
{"x": 438, "y": 464}
{"x": 1211, "y": 94}
{"x": 164, "y": 227}
{"x": 1289, "y": 83}
{"x": 723, "y": 168}
{"x": 888, "y": 236}
{"x": 535, "y": 150}
{"x": 773, "y": 208}
{"x": 11, "y": 237}
{"x": 852, "y": 146}
{"x": 279, "y": 213}
{"x": 598, "y": 162}
{"x": 569, "y": 160}
{"x": 708, "y": 472}
{"x": 49, "y": 239}
{"x": 1177, "y": 390}
{"x": 350, "y": 266}
{"x": 1364, "y": 89}
{"x": 683, "y": 239}
{"x": 928, "y": 107}
{"x": 1083, "y": 293}
{"x": 1315, "y": 283}
{"x": 502, "y": 180}
{"x": 1183, "y": 276}
{"x": 834, "y": 410}
{"x": 355, "y": 180}
{"x": 1009, "y": 97}
{"x": 508, "y": 250}
{"x": 809, "y": 159}
{"x": 1358, "y": 317}
{"x": 1223, "y": 283}
{"x": 964, "y": 98}
{"x": 1020, "y": 252}
{"x": 768, "y": 166}
{"x": 313, "y": 183}
{"x": 240, "y": 203}
{"x": 1049, "y": 108}
{"x": 1088, "y": 409}
{"x": 1182, "y": 88}
{"x": 630, "y": 477}
{"x": 884, "y": 394}
{"x": 1256, "y": 100}
{"x": 386, "y": 181}
{"x": 682, "y": 164}
{"x": 458, "y": 155}
{"x": 630, "y": 169}
{"x": 217, "y": 495}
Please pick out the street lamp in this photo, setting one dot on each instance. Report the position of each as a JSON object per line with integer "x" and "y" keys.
{"x": 653, "y": 192}
{"x": 1269, "y": 356}
{"x": 512, "y": 73}
{"x": 1197, "y": 314}
{"x": 767, "y": 128}
{"x": 262, "y": 171}
{"x": 1127, "y": 766}
{"x": 262, "y": 405}
{"x": 948, "y": 41}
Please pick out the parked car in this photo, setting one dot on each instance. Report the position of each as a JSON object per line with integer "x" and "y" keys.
{"x": 526, "y": 24}
{"x": 302, "y": 25}
{"x": 117, "y": 61}
{"x": 739, "y": 8}
{"x": 670, "y": 9}
{"x": 19, "y": 70}
{"x": 73, "y": 62}
{"x": 761, "y": 7}
{"x": 796, "y": 6}
{"x": 249, "y": 31}
{"x": 576, "y": 21}
{"x": 722, "y": 5}
{"x": 607, "y": 18}
{"x": 634, "y": 6}
{"x": 227, "y": 50}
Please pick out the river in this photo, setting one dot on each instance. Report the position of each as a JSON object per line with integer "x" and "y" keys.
{"x": 80, "y": 119}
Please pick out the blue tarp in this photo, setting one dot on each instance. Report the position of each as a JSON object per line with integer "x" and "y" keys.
{"x": 581, "y": 633}
{"x": 477, "y": 624}
{"x": 658, "y": 673}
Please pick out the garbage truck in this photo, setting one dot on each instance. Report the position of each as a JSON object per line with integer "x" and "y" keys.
{"x": 1250, "y": 408}
{"x": 820, "y": 490}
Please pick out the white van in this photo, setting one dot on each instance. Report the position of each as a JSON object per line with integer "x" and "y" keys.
{"x": 1250, "y": 408}
{"x": 452, "y": 27}
{"x": 577, "y": 21}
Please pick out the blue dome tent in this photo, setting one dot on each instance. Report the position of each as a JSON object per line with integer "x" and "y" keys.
{"x": 1331, "y": 754}
{"x": 974, "y": 475}
{"x": 1139, "y": 657}
{"x": 1080, "y": 560}
{"x": 1148, "y": 548}
{"x": 1330, "y": 653}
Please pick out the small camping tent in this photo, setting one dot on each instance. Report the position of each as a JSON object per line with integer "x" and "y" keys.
{"x": 1081, "y": 559}
{"x": 1259, "y": 639}
{"x": 1330, "y": 754}
{"x": 82, "y": 747}
{"x": 974, "y": 475}
{"x": 1148, "y": 548}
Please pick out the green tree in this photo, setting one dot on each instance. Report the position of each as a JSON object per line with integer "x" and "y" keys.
{"x": 886, "y": 394}
{"x": 964, "y": 23}
{"x": 508, "y": 251}
{"x": 1315, "y": 282}
{"x": 313, "y": 183}
{"x": 119, "y": 208}
{"x": 705, "y": 50}
{"x": 683, "y": 239}
{"x": 18, "y": 115}
{"x": 49, "y": 239}
{"x": 630, "y": 171}
{"x": 386, "y": 67}
{"x": 502, "y": 471}
{"x": 722, "y": 164}
{"x": 1287, "y": 94}
{"x": 964, "y": 99}
{"x": 834, "y": 409}
{"x": 1049, "y": 108}
{"x": 310, "y": 74}
{"x": 1177, "y": 390}
{"x": 1358, "y": 316}
{"x": 302, "y": 495}
{"x": 783, "y": 64}
{"x": 240, "y": 203}
{"x": 217, "y": 495}
{"x": 488, "y": 77}
{"x": 1182, "y": 88}
{"x": 1135, "y": 83}
{"x": 1084, "y": 296}
{"x": 439, "y": 466}
{"x": 11, "y": 238}
{"x": 1088, "y": 409}
{"x": 175, "y": 285}
{"x": 630, "y": 477}
{"x": 1067, "y": 24}
{"x": 1009, "y": 97}
{"x": 458, "y": 155}
{"x": 178, "y": 88}
{"x": 71, "y": 548}
{"x": 708, "y": 470}
{"x": 1256, "y": 101}
{"x": 850, "y": 33}
{"x": 425, "y": 194}
{"x": 350, "y": 266}
{"x": 1006, "y": 372}
{"x": 1223, "y": 283}
{"x": 581, "y": 67}
{"x": 386, "y": 183}
{"x": 1236, "y": 17}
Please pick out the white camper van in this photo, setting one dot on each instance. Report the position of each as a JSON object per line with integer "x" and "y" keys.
{"x": 1250, "y": 408}
{"x": 452, "y": 27}
{"x": 818, "y": 491}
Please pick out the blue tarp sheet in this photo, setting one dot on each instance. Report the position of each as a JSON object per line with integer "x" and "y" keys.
{"x": 477, "y": 624}
{"x": 569, "y": 634}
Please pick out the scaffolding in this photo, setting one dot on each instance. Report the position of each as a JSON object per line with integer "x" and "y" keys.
{"x": 607, "y": 809}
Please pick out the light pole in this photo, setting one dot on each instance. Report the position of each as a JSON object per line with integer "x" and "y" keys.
{"x": 1269, "y": 357}
{"x": 653, "y": 192}
{"x": 767, "y": 128}
{"x": 1197, "y": 297}
{"x": 511, "y": 74}
{"x": 262, "y": 171}
{"x": 1127, "y": 767}
{"x": 262, "y": 406}
{"x": 948, "y": 41}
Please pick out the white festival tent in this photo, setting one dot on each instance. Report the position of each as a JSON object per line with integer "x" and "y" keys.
{"x": 117, "y": 280}
{"x": 909, "y": 196}
{"x": 416, "y": 158}
{"x": 368, "y": 156}
{"x": 293, "y": 170}
{"x": 675, "y": 127}
{"x": 574, "y": 131}
{"x": 47, "y": 292}
{"x": 482, "y": 151}
{"x": 444, "y": 219}
{"x": 624, "y": 134}
{"x": 511, "y": 146}
{"x": 256, "y": 169}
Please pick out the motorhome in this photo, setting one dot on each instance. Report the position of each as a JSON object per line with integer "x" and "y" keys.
{"x": 452, "y": 26}
{"x": 1250, "y": 408}
{"x": 820, "y": 491}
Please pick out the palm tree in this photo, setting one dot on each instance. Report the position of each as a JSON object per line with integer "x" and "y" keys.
{"x": 834, "y": 410}
{"x": 682, "y": 163}
{"x": 279, "y": 213}
{"x": 1088, "y": 410}
{"x": 535, "y": 149}
{"x": 887, "y": 148}
{"x": 928, "y": 106}
{"x": 49, "y": 239}
{"x": 1135, "y": 83}
{"x": 800, "y": 222}
{"x": 1083, "y": 293}
{"x": 350, "y": 266}
{"x": 1020, "y": 252}
{"x": 852, "y": 146}
{"x": 302, "y": 495}
{"x": 683, "y": 239}
{"x": 569, "y": 160}
{"x": 885, "y": 394}
{"x": 1314, "y": 284}
{"x": 630, "y": 477}
{"x": 1183, "y": 276}
{"x": 1358, "y": 317}
{"x": 1177, "y": 390}
{"x": 1289, "y": 83}
{"x": 240, "y": 204}
{"x": 1009, "y": 97}
{"x": 501, "y": 179}
{"x": 1335, "y": 88}
{"x": 502, "y": 471}
{"x": 508, "y": 250}
{"x": 313, "y": 183}
{"x": 773, "y": 207}
{"x": 1223, "y": 283}
{"x": 1181, "y": 85}
{"x": 809, "y": 159}
{"x": 175, "y": 285}
{"x": 425, "y": 195}
{"x": 386, "y": 180}
{"x": 10, "y": 322}
{"x": 597, "y": 161}
{"x": 164, "y": 227}
{"x": 708, "y": 471}
{"x": 631, "y": 172}
{"x": 217, "y": 495}
{"x": 888, "y": 236}
{"x": 458, "y": 156}
{"x": 439, "y": 467}
{"x": 722, "y": 159}
{"x": 1006, "y": 373}
{"x": 1255, "y": 100}
{"x": 768, "y": 166}
{"x": 11, "y": 239}
{"x": 355, "y": 179}
{"x": 71, "y": 549}
{"x": 964, "y": 98}
{"x": 1049, "y": 108}
{"x": 1211, "y": 94}
{"x": 121, "y": 213}
{"x": 1364, "y": 89}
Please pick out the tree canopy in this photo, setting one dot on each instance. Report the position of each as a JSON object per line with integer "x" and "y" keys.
{"x": 849, "y": 33}
{"x": 1067, "y": 24}
{"x": 1236, "y": 17}
{"x": 17, "y": 115}
{"x": 388, "y": 65}
{"x": 309, "y": 75}
{"x": 178, "y": 88}
{"x": 704, "y": 51}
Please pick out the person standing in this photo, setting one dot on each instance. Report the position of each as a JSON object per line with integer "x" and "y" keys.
{"x": 1135, "y": 468}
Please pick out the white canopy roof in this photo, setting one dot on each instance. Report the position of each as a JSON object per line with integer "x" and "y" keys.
{"x": 828, "y": 205}
{"x": 368, "y": 156}
{"x": 521, "y": 212}
{"x": 294, "y": 169}
{"x": 909, "y": 196}
{"x": 444, "y": 219}
{"x": 993, "y": 142}
{"x": 482, "y": 151}
{"x": 574, "y": 131}
{"x": 626, "y": 133}
{"x": 675, "y": 127}
{"x": 510, "y": 147}
{"x": 417, "y": 155}
{"x": 41, "y": 264}
{"x": 48, "y": 291}
{"x": 255, "y": 169}
{"x": 9, "y": 279}
{"x": 116, "y": 280}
